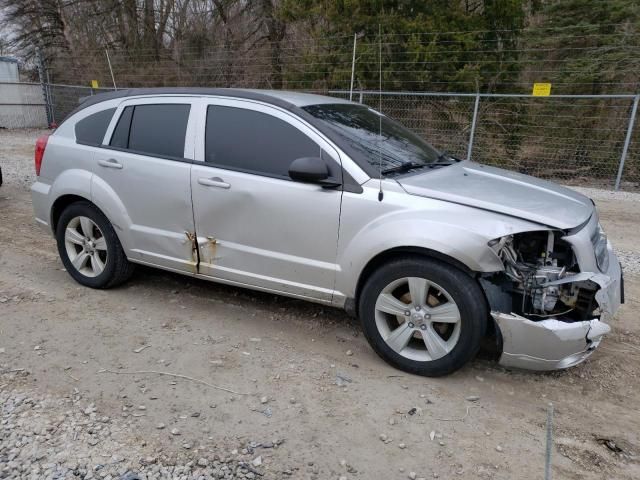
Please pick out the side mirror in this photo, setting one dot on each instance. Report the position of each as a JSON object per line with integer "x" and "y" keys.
{"x": 309, "y": 169}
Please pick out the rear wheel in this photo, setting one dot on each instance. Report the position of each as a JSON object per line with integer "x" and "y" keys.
{"x": 89, "y": 247}
{"x": 423, "y": 316}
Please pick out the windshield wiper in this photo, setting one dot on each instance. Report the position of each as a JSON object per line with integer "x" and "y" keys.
{"x": 444, "y": 159}
{"x": 443, "y": 156}
{"x": 404, "y": 167}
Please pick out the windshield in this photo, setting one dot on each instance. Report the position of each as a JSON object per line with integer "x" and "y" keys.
{"x": 396, "y": 150}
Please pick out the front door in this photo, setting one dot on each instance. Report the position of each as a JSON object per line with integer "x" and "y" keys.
{"x": 255, "y": 226}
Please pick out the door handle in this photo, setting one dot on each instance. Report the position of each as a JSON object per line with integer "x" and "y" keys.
{"x": 214, "y": 182}
{"x": 111, "y": 163}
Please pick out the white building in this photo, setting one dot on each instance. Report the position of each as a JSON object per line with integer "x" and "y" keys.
{"x": 21, "y": 104}
{"x": 8, "y": 70}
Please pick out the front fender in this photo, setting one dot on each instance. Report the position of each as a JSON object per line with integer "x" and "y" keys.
{"x": 369, "y": 228}
{"x": 466, "y": 247}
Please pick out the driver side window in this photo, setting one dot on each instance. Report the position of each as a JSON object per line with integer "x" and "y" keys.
{"x": 254, "y": 142}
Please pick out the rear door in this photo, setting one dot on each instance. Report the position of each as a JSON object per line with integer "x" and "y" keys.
{"x": 145, "y": 168}
{"x": 256, "y": 226}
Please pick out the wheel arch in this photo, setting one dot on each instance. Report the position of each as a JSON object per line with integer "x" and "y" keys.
{"x": 63, "y": 201}
{"x": 386, "y": 256}
{"x": 113, "y": 272}
{"x": 59, "y": 206}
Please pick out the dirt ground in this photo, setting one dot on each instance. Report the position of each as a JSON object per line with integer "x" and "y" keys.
{"x": 329, "y": 407}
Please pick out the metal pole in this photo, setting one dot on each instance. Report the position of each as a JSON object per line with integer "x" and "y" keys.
{"x": 53, "y": 112}
{"x": 111, "y": 70}
{"x": 473, "y": 126}
{"x": 353, "y": 65}
{"x": 547, "y": 460}
{"x": 627, "y": 140}
{"x": 45, "y": 90}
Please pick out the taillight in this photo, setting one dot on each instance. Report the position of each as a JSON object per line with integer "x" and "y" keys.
{"x": 41, "y": 144}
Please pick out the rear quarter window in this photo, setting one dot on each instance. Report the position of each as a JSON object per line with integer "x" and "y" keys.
{"x": 90, "y": 130}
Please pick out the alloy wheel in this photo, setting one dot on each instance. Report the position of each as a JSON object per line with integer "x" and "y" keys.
{"x": 86, "y": 246}
{"x": 418, "y": 319}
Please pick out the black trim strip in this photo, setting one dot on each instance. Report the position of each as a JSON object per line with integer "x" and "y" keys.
{"x": 146, "y": 154}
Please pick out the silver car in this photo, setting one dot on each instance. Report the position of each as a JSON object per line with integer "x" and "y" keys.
{"x": 330, "y": 201}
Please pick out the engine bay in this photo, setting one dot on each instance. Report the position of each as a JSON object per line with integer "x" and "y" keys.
{"x": 540, "y": 279}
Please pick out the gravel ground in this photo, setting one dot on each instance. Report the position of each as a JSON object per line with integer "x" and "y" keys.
{"x": 79, "y": 397}
{"x": 16, "y": 156}
{"x": 68, "y": 438}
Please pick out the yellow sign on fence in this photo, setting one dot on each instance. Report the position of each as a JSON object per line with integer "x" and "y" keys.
{"x": 541, "y": 89}
{"x": 94, "y": 83}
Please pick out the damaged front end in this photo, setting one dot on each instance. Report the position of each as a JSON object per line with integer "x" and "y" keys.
{"x": 551, "y": 301}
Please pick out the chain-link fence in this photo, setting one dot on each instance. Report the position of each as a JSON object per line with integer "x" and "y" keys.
{"x": 574, "y": 139}
{"x": 63, "y": 99}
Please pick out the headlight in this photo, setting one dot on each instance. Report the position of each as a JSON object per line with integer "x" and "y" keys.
{"x": 599, "y": 241}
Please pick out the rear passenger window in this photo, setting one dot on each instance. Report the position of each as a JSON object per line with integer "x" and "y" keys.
{"x": 153, "y": 129}
{"x": 253, "y": 141}
{"x": 90, "y": 130}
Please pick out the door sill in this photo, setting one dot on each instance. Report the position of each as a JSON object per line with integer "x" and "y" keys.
{"x": 209, "y": 278}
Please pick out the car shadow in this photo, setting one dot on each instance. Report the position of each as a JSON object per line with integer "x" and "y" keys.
{"x": 206, "y": 291}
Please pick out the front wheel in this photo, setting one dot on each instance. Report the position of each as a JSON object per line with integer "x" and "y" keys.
{"x": 89, "y": 247}
{"x": 423, "y": 316}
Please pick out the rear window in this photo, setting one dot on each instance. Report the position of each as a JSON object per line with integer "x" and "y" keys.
{"x": 90, "y": 130}
{"x": 157, "y": 130}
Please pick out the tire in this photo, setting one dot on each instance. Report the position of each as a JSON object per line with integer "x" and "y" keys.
{"x": 442, "y": 333}
{"x": 100, "y": 261}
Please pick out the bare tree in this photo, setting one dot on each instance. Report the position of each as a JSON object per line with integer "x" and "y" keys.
{"x": 273, "y": 29}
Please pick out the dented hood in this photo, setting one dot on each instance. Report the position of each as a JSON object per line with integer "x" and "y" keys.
{"x": 502, "y": 191}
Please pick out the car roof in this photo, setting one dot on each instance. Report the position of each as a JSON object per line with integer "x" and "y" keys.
{"x": 282, "y": 98}
{"x": 299, "y": 99}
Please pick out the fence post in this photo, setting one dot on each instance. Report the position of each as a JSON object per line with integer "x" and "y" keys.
{"x": 51, "y": 101}
{"x": 627, "y": 140}
{"x": 549, "y": 446}
{"x": 473, "y": 126}
{"x": 45, "y": 88}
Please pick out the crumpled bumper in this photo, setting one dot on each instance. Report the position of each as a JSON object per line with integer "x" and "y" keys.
{"x": 552, "y": 343}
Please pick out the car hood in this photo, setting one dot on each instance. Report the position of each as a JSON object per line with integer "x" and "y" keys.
{"x": 502, "y": 191}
